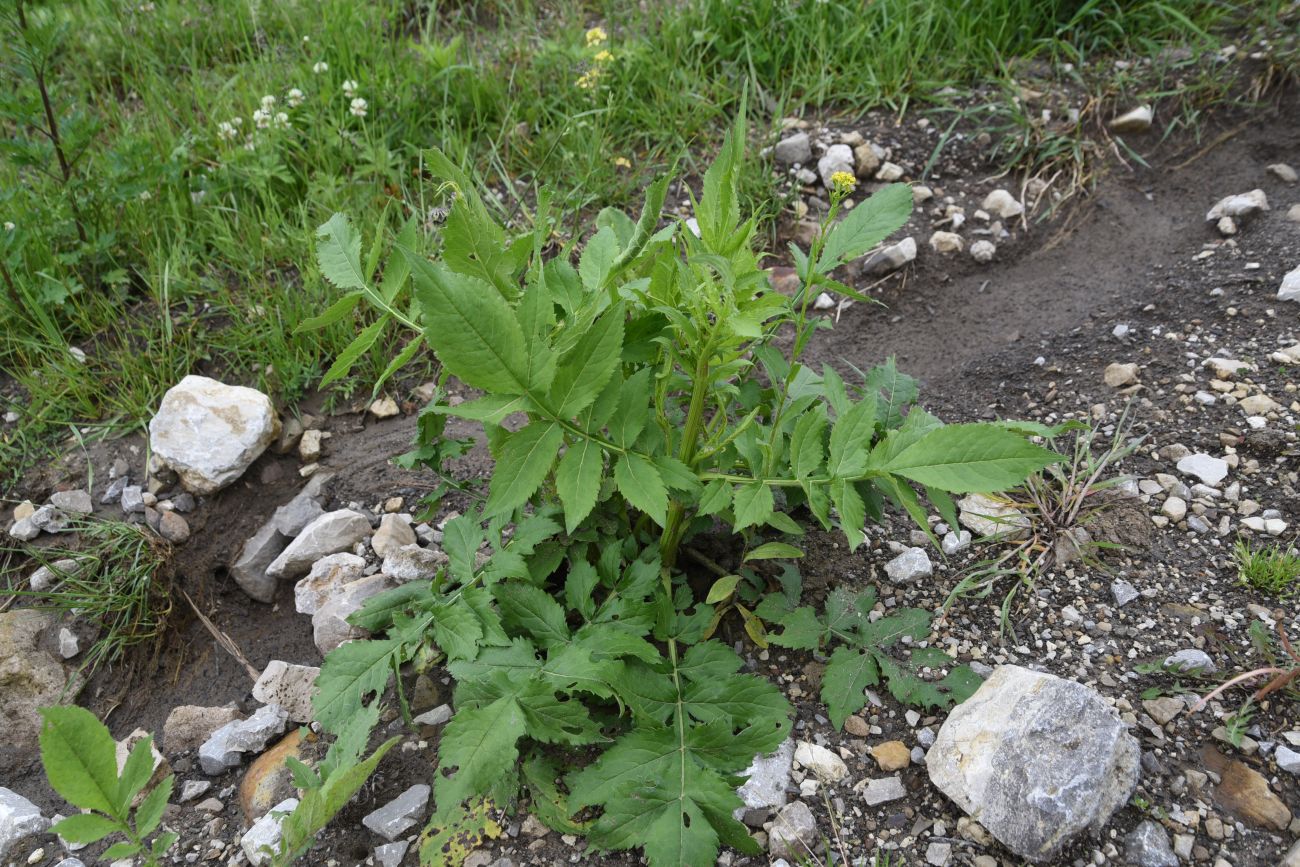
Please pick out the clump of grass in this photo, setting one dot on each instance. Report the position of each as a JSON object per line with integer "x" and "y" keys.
{"x": 121, "y": 585}
{"x": 1273, "y": 568}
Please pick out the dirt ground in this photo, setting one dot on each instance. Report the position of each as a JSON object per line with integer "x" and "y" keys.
{"x": 1027, "y": 336}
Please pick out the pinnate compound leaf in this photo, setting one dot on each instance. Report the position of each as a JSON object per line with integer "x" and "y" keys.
{"x": 851, "y": 439}
{"x": 522, "y": 465}
{"x": 80, "y": 759}
{"x": 150, "y": 811}
{"x": 964, "y": 458}
{"x": 471, "y": 328}
{"x": 639, "y": 481}
{"x": 848, "y": 674}
{"x": 577, "y": 481}
{"x": 319, "y": 805}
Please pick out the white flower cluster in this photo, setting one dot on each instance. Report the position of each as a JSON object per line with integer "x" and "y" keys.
{"x": 320, "y": 66}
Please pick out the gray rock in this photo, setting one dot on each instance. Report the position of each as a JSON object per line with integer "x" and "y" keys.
{"x": 261, "y": 841}
{"x": 1035, "y": 759}
{"x": 69, "y": 645}
{"x": 793, "y": 149}
{"x": 132, "y": 500}
{"x": 1287, "y": 759}
{"x": 255, "y": 557}
{"x": 1290, "y": 288}
{"x": 173, "y": 528}
{"x": 938, "y": 854}
{"x": 188, "y": 726}
{"x": 1237, "y": 206}
{"x": 71, "y": 862}
{"x": 398, "y": 815}
{"x": 838, "y": 158}
{"x": 113, "y": 493}
{"x": 30, "y": 679}
{"x": 329, "y": 534}
{"x": 49, "y": 519}
{"x": 890, "y": 259}
{"x": 794, "y": 833}
{"x": 391, "y": 854}
{"x": 1147, "y": 845}
{"x": 956, "y": 541}
{"x": 209, "y": 432}
{"x": 767, "y": 778}
{"x": 983, "y": 251}
{"x": 75, "y": 502}
{"x": 824, "y": 764}
{"x": 330, "y": 627}
{"x": 985, "y": 516}
{"x": 19, "y": 819}
{"x": 194, "y": 789}
{"x": 1191, "y": 659}
{"x": 882, "y": 790}
{"x": 437, "y": 716}
{"x": 47, "y": 576}
{"x": 909, "y": 566}
{"x": 289, "y": 686}
{"x": 226, "y": 747}
{"x": 1002, "y": 205}
{"x": 24, "y": 530}
{"x": 1123, "y": 592}
{"x": 394, "y": 532}
{"x": 326, "y": 577}
{"x": 1208, "y": 469}
{"x": 291, "y": 518}
{"x": 413, "y": 563}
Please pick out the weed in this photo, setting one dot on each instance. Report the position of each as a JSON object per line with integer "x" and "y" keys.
{"x": 653, "y": 401}
{"x": 80, "y": 760}
{"x": 1271, "y": 568}
{"x": 116, "y": 578}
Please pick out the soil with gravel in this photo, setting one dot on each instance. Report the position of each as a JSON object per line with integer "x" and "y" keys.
{"x": 1027, "y": 336}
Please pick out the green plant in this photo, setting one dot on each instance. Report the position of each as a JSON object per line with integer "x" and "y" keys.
{"x": 1272, "y": 568}
{"x": 863, "y": 659}
{"x": 1046, "y": 519}
{"x": 654, "y": 391}
{"x": 80, "y": 760}
{"x": 121, "y": 584}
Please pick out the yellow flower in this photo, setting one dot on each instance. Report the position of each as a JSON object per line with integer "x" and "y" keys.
{"x": 596, "y": 36}
{"x": 603, "y": 56}
{"x": 622, "y": 162}
{"x": 843, "y": 183}
{"x": 588, "y": 79}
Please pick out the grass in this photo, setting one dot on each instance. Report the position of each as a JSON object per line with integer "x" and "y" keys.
{"x": 120, "y": 585}
{"x": 146, "y": 244}
{"x": 1271, "y": 568}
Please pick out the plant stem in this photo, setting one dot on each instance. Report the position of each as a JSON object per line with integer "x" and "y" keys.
{"x": 676, "y": 523}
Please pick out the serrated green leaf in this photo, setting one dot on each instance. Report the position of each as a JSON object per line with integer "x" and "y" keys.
{"x": 716, "y": 497}
{"x": 633, "y": 408}
{"x": 150, "y": 811}
{"x": 86, "y": 828}
{"x": 318, "y": 806}
{"x": 522, "y": 464}
{"x": 639, "y": 481}
{"x": 869, "y": 223}
{"x": 577, "y": 481}
{"x": 807, "y": 446}
{"x": 964, "y": 458}
{"x": 121, "y": 850}
{"x": 851, "y": 439}
{"x": 803, "y": 631}
{"x": 334, "y": 313}
{"x": 532, "y": 610}
{"x": 481, "y": 745}
{"x": 848, "y": 674}
{"x": 357, "y": 348}
{"x": 136, "y": 772}
{"x": 471, "y": 328}
{"x": 852, "y": 511}
{"x": 598, "y": 258}
{"x": 461, "y": 539}
{"x": 895, "y": 391}
{"x": 338, "y": 252}
{"x": 752, "y": 503}
{"x": 579, "y": 585}
{"x": 904, "y": 622}
{"x": 349, "y": 675}
{"x": 548, "y": 803}
{"x": 79, "y": 758}
{"x": 584, "y": 370}
{"x": 456, "y": 629}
